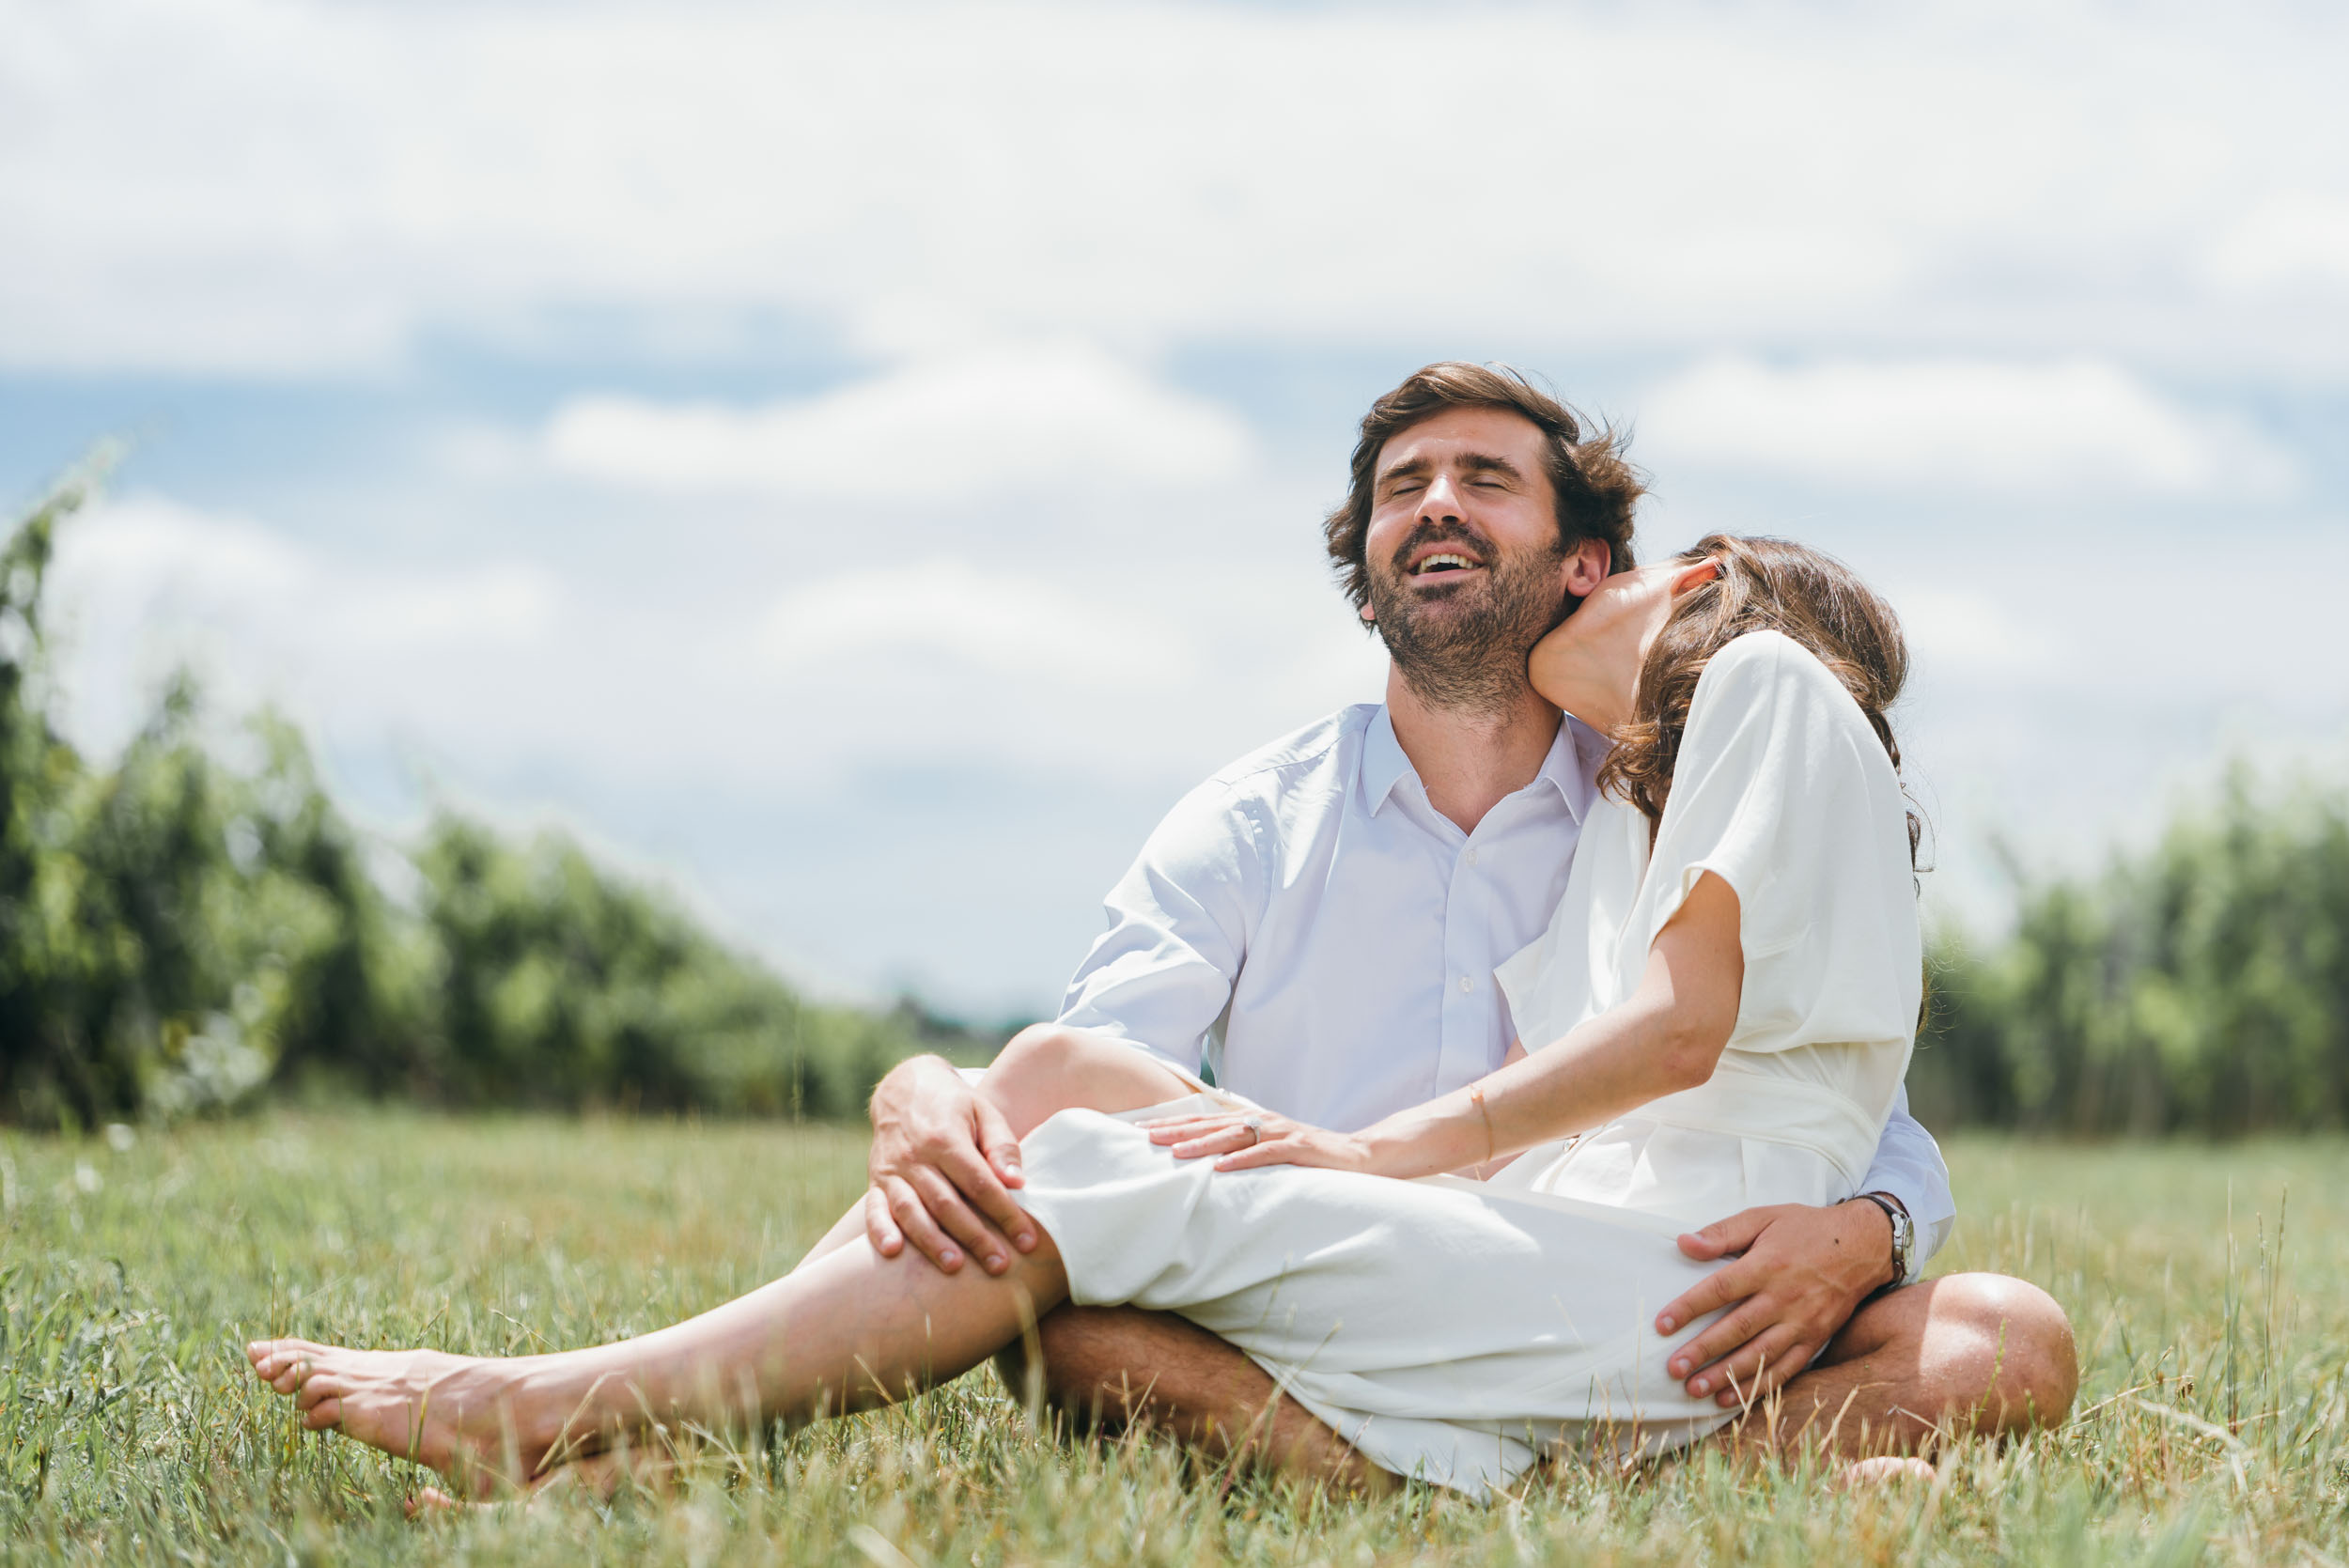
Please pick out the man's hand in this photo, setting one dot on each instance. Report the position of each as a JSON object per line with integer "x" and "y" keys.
{"x": 1803, "y": 1273}
{"x": 943, "y": 1163}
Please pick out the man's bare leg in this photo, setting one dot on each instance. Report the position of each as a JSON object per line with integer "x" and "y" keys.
{"x": 1198, "y": 1389}
{"x": 854, "y": 1331}
{"x": 1978, "y": 1353}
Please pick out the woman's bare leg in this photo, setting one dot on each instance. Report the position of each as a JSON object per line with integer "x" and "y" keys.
{"x": 851, "y": 1332}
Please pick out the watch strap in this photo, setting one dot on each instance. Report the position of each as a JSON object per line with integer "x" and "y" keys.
{"x": 1904, "y": 1235}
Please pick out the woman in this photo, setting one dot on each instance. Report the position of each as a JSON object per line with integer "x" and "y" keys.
{"x": 1724, "y": 1003}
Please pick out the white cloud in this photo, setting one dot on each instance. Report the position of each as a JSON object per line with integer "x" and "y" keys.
{"x": 145, "y": 583}
{"x": 964, "y": 425}
{"x": 997, "y": 621}
{"x": 246, "y": 185}
{"x": 1105, "y": 668}
{"x": 2295, "y": 237}
{"x": 2071, "y": 426}
{"x": 1972, "y": 634}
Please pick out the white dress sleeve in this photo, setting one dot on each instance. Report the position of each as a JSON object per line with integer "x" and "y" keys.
{"x": 1783, "y": 791}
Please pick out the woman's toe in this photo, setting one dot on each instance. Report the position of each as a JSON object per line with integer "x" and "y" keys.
{"x": 324, "y": 1385}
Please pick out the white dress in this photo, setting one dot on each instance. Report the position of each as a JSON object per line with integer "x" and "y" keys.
{"x": 1457, "y": 1330}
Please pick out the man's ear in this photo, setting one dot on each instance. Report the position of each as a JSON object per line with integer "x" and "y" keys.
{"x": 1586, "y": 566}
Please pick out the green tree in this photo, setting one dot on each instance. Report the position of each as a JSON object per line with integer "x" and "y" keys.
{"x": 178, "y": 935}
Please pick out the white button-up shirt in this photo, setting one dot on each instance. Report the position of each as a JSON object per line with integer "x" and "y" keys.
{"x": 1307, "y": 930}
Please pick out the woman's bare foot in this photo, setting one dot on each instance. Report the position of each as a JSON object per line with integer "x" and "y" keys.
{"x": 478, "y": 1422}
{"x": 599, "y": 1476}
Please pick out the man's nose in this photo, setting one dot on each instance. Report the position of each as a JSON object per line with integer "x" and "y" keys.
{"x": 1440, "y": 500}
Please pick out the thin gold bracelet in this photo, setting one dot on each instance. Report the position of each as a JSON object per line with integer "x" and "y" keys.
{"x": 1476, "y": 1094}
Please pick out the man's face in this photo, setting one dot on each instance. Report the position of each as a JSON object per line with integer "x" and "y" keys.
{"x": 1465, "y": 573}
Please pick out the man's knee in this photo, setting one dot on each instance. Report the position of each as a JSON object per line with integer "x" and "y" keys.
{"x": 1110, "y": 1365}
{"x": 1077, "y": 1365}
{"x": 2012, "y": 1342}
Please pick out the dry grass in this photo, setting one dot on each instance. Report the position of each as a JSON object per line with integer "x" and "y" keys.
{"x": 2213, "y": 1336}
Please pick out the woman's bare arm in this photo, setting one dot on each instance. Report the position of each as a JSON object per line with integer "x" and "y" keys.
{"x": 1667, "y": 1036}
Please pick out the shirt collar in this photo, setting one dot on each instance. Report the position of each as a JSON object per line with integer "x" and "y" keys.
{"x": 1573, "y": 764}
{"x": 1383, "y": 762}
{"x": 1571, "y": 768}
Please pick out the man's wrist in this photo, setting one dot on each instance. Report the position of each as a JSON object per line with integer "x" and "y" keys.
{"x": 1900, "y": 1251}
{"x": 899, "y": 1079}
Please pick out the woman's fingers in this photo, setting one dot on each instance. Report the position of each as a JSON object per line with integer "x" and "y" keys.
{"x": 1272, "y": 1151}
{"x": 326, "y": 1413}
{"x": 1221, "y": 1141}
{"x": 1175, "y": 1129}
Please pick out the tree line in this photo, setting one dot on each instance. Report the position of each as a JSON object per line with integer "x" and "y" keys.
{"x": 186, "y": 930}
{"x": 2200, "y": 985}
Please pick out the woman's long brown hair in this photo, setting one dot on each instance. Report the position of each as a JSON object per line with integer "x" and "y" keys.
{"x": 1764, "y": 586}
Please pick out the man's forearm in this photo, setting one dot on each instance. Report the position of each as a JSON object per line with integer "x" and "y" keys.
{"x": 898, "y": 1085}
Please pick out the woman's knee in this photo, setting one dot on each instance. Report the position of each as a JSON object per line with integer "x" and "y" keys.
{"x": 1030, "y": 1077}
{"x": 1050, "y": 1067}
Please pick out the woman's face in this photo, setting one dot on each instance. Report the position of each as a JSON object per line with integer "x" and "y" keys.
{"x": 1590, "y": 664}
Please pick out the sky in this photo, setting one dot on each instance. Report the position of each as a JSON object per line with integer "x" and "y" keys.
{"x": 858, "y": 467}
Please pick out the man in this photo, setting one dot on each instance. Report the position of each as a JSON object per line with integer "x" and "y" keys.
{"x": 1316, "y": 927}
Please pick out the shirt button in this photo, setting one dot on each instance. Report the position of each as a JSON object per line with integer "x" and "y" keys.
{"x": 1467, "y": 983}
{"x": 1472, "y": 856}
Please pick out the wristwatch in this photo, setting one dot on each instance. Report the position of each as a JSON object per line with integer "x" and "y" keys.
{"x": 1904, "y": 1235}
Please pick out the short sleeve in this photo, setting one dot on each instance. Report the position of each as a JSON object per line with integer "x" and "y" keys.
{"x": 1782, "y": 790}
{"x": 1160, "y": 974}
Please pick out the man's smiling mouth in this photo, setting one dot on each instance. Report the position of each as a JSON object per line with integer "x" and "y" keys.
{"x": 1445, "y": 561}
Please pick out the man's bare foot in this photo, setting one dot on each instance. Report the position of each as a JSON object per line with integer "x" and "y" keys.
{"x": 472, "y": 1419}
{"x": 1885, "y": 1469}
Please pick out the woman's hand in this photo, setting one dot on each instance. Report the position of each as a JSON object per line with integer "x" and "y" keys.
{"x": 1245, "y": 1140}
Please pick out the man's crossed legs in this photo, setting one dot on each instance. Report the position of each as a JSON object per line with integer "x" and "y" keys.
{"x": 1981, "y": 1354}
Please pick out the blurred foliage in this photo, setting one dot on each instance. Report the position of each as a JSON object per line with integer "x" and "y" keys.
{"x": 180, "y": 933}
{"x": 2201, "y": 987}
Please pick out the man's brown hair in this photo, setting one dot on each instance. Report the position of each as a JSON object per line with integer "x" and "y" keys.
{"x": 1595, "y": 486}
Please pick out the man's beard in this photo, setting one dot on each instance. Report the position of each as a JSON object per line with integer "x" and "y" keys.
{"x": 1469, "y": 657}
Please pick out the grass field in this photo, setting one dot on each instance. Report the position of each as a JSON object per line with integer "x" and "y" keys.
{"x": 2209, "y": 1288}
